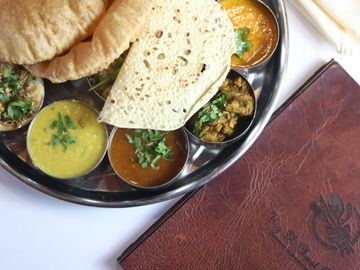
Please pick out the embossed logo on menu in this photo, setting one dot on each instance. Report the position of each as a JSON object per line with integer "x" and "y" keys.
{"x": 289, "y": 241}
{"x": 335, "y": 225}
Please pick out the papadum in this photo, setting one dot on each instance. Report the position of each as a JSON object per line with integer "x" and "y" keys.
{"x": 174, "y": 68}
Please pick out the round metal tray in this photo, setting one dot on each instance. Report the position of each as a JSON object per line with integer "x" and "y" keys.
{"x": 103, "y": 188}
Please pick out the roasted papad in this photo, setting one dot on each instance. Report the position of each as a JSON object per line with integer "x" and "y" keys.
{"x": 174, "y": 68}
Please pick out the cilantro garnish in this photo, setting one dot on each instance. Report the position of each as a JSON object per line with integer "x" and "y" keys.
{"x": 150, "y": 147}
{"x": 18, "y": 109}
{"x": 11, "y": 80}
{"x": 62, "y": 134}
{"x": 4, "y": 98}
{"x": 210, "y": 112}
{"x": 243, "y": 44}
{"x": 69, "y": 122}
{"x": 13, "y": 106}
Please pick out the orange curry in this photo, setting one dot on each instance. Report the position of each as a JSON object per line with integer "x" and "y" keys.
{"x": 262, "y": 30}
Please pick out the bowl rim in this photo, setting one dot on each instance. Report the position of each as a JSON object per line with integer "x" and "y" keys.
{"x": 241, "y": 134}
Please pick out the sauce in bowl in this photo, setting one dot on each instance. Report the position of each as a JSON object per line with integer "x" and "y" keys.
{"x": 256, "y": 32}
{"x": 125, "y": 160}
{"x": 65, "y": 140}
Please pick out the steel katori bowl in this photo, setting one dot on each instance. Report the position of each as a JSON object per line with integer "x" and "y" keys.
{"x": 81, "y": 174}
{"x": 155, "y": 187}
{"x": 258, "y": 66}
{"x": 242, "y": 127}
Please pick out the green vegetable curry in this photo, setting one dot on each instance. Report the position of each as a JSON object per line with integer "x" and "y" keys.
{"x": 217, "y": 121}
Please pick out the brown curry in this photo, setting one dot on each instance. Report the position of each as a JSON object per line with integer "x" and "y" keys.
{"x": 125, "y": 159}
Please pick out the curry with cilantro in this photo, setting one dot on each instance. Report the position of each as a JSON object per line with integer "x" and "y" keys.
{"x": 65, "y": 140}
{"x": 147, "y": 158}
{"x": 223, "y": 117}
{"x": 255, "y": 31}
{"x": 21, "y": 96}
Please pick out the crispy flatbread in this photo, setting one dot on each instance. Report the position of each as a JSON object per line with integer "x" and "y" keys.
{"x": 122, "y": 24}
{"x": 174, "y": 68}
{"x": 37, "y": 30}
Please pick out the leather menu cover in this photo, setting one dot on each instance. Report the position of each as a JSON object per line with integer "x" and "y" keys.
{"x": 291, "y": 202}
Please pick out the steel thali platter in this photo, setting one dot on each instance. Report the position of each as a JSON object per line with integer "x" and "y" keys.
{"x": 103, "y": 188}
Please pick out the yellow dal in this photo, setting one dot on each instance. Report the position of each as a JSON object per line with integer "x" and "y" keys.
{"x": 80, "y": 157}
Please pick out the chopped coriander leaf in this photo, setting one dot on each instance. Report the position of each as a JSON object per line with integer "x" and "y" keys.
{"x": 62, "y": 135}
{"x": 14, "y": 105}
{"x": 150, "y": 147}
{"x": 145, "y": 136}
{"x": 67, "y": 140}
{"x": 130, "y": 139}
{"x": 58, "y": 124}
{"x": 154, "y": 162}
{"x": 144, "y": 165}
{"x": 17, "y": 110}
{"x": 155, "y": 135}
{"x": 8, "y": 70}
{"x": 243, "y": 44}
{"x": 220, "y": 100}
{"x": 163, "y": 150}
{"x": 11, "y": 80}
{"x": 137, "y": 131}
{"x": 4, "y": 98}
{"x": 69, "y": 122}
{"x": 137, "y": 142}
{"x": 210, "y": 112}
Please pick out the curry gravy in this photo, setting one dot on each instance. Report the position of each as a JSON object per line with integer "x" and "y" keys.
{"x": 124, "y": 162}
{"x": 263, "y": 30}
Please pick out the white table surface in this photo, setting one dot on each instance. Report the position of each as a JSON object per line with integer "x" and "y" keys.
{"x": 40, "y": 232}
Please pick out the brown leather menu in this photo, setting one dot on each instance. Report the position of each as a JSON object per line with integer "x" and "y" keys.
{"x": 291, "y": 202}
